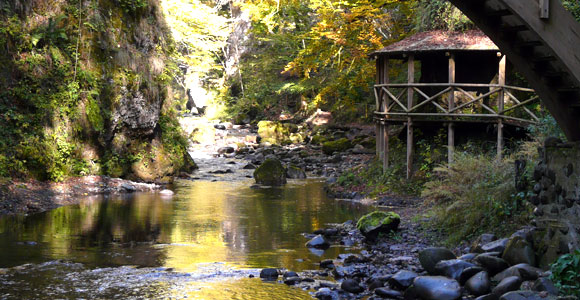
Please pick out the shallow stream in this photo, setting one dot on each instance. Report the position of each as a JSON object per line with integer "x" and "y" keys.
{"x": 202, "y": 243}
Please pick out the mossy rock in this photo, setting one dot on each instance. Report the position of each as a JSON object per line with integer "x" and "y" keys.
{"x": 371, "y": 225}
{"x": 270, "y": 172}
{"x": 318, "y": 140}
{"x": 339, "y": 145}
{"x": 277, "y": 133}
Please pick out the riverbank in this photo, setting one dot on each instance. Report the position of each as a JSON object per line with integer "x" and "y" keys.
{"x": 29, "y": 197}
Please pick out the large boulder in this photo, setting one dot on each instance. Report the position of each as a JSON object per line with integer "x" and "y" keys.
{"x": 431, "y": 256}
{"x": 519, "y": 251}
{"x": 435, "y": 288}
{"x": 371, "y": 225}
{"x": 339, "y": 145}
{"x": 270, "y": 172}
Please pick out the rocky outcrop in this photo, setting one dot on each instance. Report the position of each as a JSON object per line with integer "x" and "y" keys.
{"x": 557, "y": 200}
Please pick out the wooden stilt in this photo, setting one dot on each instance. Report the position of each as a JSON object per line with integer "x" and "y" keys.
{"x": 385, "y": 138}
{"x": 386, "y": 146}
{"x": 451, "y": 103}
{"x": 499, "y": 139}
{"x": 450, "y": 142}
{"x": 410, "y": 150}
{"x": 500, "y": 105}
{"x": 380, "y": 138}
{"x": 377, "y": 138}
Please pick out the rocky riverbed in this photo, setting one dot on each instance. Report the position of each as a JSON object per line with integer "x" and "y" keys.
{"x": 399, "y": 264}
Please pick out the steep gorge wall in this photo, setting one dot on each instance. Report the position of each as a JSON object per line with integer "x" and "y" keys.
{"x": 85, "y": 89}
{"x": 557, "y": 200}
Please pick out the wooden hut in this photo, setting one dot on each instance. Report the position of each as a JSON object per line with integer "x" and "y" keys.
{"x": 462, "y": 79}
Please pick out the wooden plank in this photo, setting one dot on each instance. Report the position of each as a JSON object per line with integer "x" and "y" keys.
{"x": 395, "y": 99}
{"x": 474, "y": 99}
{"x": 429, "y": 99}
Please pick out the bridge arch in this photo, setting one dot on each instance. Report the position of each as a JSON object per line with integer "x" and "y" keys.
{"x": 542, "y": 40}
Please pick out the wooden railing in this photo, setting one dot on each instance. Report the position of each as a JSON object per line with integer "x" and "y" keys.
{"x": 392, "y": 100}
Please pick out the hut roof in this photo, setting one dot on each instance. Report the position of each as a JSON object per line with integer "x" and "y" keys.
{"x": 439, "y": 40}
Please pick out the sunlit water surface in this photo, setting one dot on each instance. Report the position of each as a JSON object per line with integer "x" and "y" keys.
{"x": 202, "y": 243}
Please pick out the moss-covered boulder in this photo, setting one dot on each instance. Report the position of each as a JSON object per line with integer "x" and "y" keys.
{"x": 339, "y": 145}
{"x": 377, "y": 222}
{"x": 270, "y": 172}
{"x": 277, "y": 133}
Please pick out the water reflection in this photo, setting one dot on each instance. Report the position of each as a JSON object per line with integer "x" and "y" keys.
{"x": 205, "y": 222}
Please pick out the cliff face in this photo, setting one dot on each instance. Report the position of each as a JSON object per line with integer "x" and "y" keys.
{"x": 84, "y": 89}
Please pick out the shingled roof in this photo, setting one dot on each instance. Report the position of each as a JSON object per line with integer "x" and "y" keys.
{"x": 439, "y": 40}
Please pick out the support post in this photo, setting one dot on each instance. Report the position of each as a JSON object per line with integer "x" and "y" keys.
{"x": 386, "y": 147}
{"x": 451, "y": 104}
{"x": 501, "y": 80}
{"x": 377, "y": 139}
{"x": 379, "y": 104}
{"x": 410, "y": 150}
{"x": 544, "y": 9}
{"x": 380, "y": 138}
{"x": 385, "y": 138}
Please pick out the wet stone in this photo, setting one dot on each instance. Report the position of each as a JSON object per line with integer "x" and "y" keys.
{"x": 402, "y": 279}
{"x": 388, "y": 293}
{"x": 318, "y": 242}
{"x": 508, "y": 284}
{"x": 435, "y": 288}
{"x": 526, "y": 295}
{"x": 492, "y": 264}
{"x": 431, "y": 256}
{"x": 292, "y": 280}
{"x": 326, "y": 294}
{"x": 351, "y": 286}
{"x": 524, "y": 271}
{"x": 269, "y": 273}
{"x": 479, "y": 284}
{"x": 544, "y": 284}
{"x": 327, "y": 264}
{"x": 483, "y": 239}
{"x": 468, "y": 273}
{"x": 452, "y": 268}
{"x": 495, "y": 246}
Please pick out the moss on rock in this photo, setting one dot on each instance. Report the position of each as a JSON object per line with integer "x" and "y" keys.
{"x": 339, "y": 145}
{"x": 270, "y": 172}
{"x": 372, "y": 224}
{"x": 277, "y": 133}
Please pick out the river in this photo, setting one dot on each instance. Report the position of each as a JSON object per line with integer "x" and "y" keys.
{"x": 204, "y": 242}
